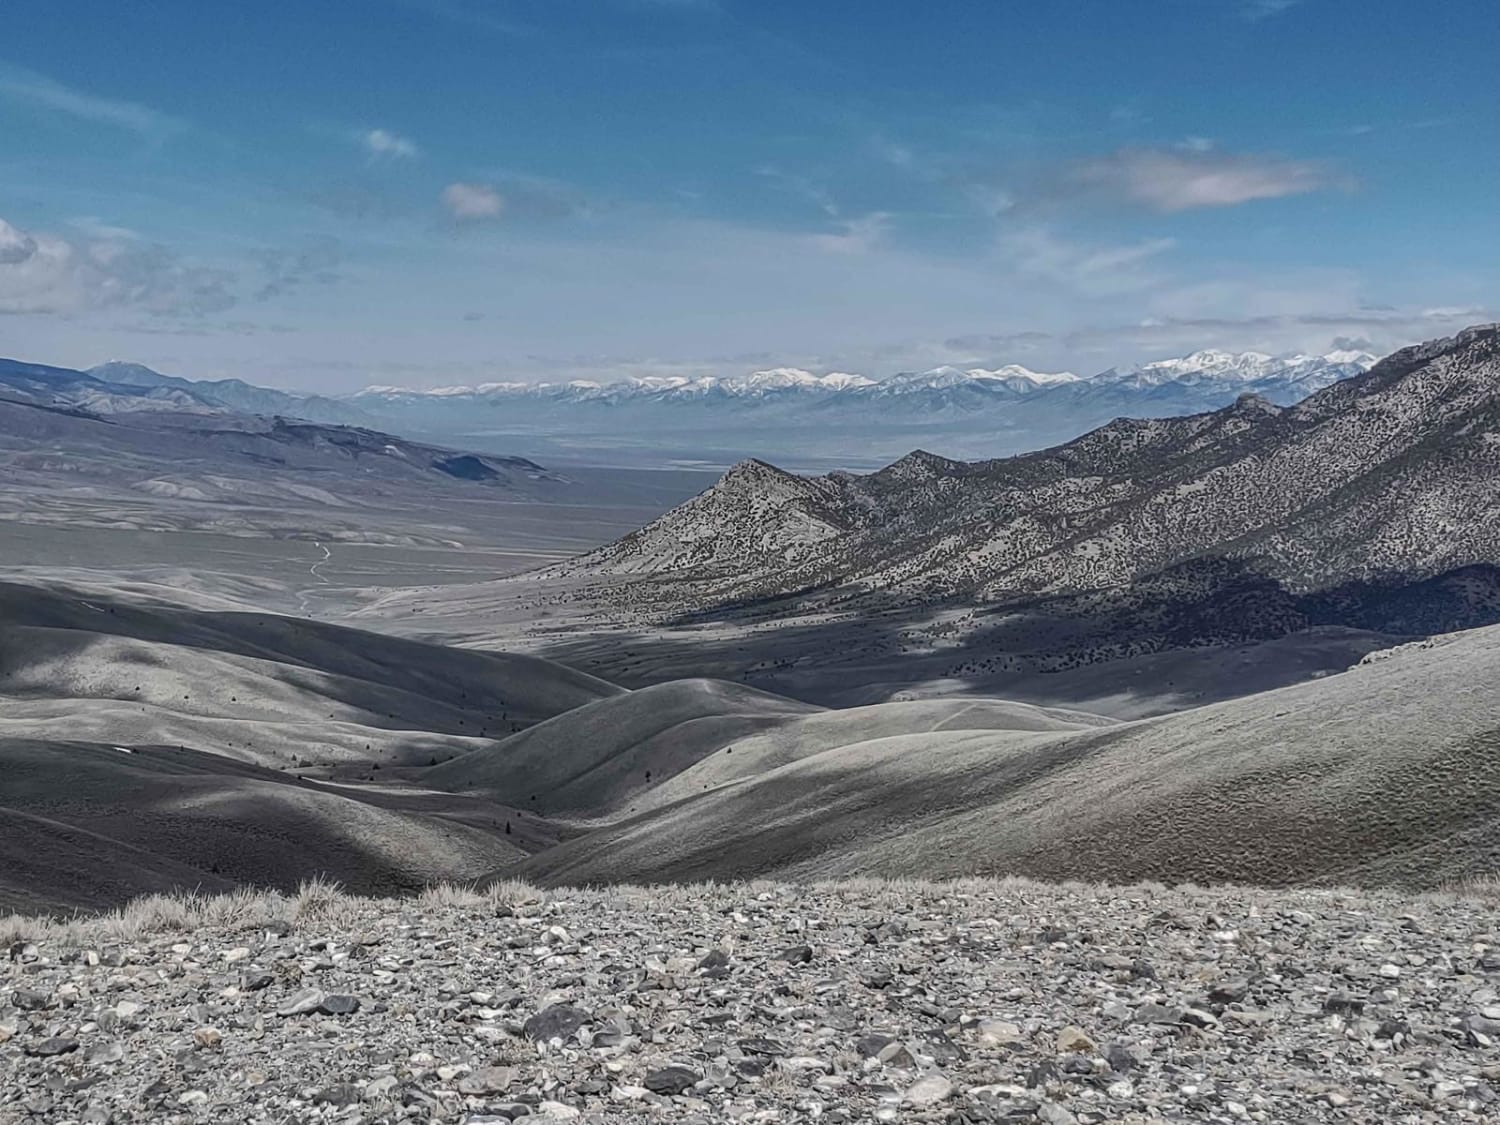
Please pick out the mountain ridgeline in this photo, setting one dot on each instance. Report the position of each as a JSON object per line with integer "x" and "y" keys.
{"x": 1314, "y": 513}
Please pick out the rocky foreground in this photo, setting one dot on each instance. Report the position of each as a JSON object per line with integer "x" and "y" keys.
{"x": 970, "y": 1002}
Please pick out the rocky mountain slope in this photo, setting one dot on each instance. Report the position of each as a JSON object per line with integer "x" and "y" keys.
{"x": 1100, "y": 573}
{"x": 977, "y": 1002}
{"x": 1373, "y": 505}
{"x": 1396, "y": 472}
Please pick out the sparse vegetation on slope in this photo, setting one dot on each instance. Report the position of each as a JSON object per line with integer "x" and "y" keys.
{"x": 1386, "y": 774}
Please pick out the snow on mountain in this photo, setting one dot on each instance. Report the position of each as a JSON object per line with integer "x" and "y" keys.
{"x": 1374, "y": 503}
{"x": 840, "y": 417}
{"x": 755, "y": 384}
{"x": 1011, "y": 377}
{"x": 1208, "y": 367}
{"x": 1212, "y": 366}
{"x": 784, "y": 412}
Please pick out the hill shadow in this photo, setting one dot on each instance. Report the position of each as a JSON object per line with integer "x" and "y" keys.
{"x": 1160, "y": 622}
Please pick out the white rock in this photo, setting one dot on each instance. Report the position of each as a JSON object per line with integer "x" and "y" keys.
{"x": 997, "y": 1033}
{"x": 380, "y": 1087}
{"x": 928, "y": 1090}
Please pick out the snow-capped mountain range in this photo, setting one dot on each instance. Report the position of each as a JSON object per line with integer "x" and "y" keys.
{"x": 809, "y": 419}
{"x": 802, "y": 418}
{"x": 756, "y": 384}
{"x": 1200, "y": 368}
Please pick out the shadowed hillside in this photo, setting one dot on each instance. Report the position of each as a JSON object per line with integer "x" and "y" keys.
{"x": 1388, "y": 773}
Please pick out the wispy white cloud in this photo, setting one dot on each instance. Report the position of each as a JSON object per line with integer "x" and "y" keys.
{"x": 91, "y": 226}
{"x": 854, "y": 234}
{"x": 1086, "y": 268}
{"x": 470, "y": 202}
{"x": 27, "y": 87}
{"x": 1265, "y": 9}
{"x": 800, "y": 185}
{"x": 382, "y": 144}
{"x": 1184, "y": 179}
{"x": 539, "y": 199}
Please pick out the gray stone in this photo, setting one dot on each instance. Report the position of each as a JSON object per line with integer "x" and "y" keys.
{"x": 560, "y": 1021}
{"x": 56, "y": 1045}
{"x": 339, "y": 1004}
{"x": 302, "y": 1003}
{"x": 671, "y": 1080}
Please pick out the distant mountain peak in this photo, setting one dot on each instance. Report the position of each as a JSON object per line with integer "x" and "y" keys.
{"x": 754, "y": 469}
{"x": 777, "y": 377}
{"x": 922, "y": 463}
{"x": 1252, "y": 403}
{"x": 760, "y": 478}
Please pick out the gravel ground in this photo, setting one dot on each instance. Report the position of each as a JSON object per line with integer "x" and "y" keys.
{"x": 971, "y": 1002}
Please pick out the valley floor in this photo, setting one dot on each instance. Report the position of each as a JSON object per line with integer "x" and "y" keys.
{"x": 975, "y": 1001}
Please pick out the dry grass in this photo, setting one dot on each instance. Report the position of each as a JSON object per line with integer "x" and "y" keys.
{"x": 316, "y": 901}
{"x": 323, "y": 904}
{"x": 1481, "y": 888}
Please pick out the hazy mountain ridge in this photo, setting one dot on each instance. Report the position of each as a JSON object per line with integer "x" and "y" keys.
{"x": 233, "y": 394}
{"x": 122, "y": 388}
{"x": 82, "y": 426}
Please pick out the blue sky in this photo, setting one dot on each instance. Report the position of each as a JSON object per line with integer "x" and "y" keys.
{"x": 427, "y": 192}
